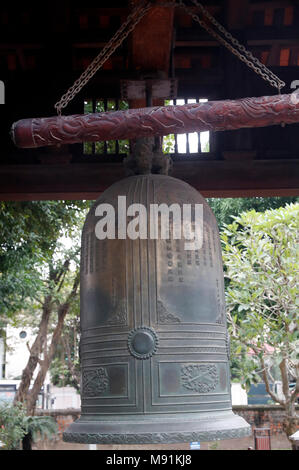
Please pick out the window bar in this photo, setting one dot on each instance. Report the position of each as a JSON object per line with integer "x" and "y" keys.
{"x": 198, "y": 134}
{"x": 93, "y": 144}
{"x": 175, "y": 136}
{"x": 198, "y": 143}
{"x": 211, "y": 142}
{"x": 187, "y": 144}
{"x": 116, "y": 142}
{"x": 187, "y": 136}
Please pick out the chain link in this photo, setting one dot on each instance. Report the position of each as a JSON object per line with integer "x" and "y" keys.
{"x": 243, "y": 54}
{"x": 134, "y": 18}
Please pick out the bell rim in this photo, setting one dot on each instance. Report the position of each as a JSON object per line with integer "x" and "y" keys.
{"x": 232, "y": 428}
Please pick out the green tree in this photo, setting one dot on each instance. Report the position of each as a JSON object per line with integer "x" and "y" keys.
{"x": 65, "y": 367}
{"x": 260, "y": 252}
{"x": 28, "y": 236}
{"x": 60, "y": 292}
{"x": 16, "y": 427}
{"x": 60, "y": 286}
{"x": 39, "y": 278}
{"x": 227, "y": 208}
{"x": 99, "y": 147}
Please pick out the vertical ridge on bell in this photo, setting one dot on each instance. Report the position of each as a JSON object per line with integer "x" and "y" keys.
{"x": 148, "y": 258}
{"x": 129, "y": 261}
{"x": 142, "y": 259}
{"x": 155, "y": 259}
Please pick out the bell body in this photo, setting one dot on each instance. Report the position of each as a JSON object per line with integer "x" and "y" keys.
{"x": 154, "y": 342}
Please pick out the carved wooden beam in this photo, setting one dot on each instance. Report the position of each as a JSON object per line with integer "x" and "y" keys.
{"x": 157, "y": 121}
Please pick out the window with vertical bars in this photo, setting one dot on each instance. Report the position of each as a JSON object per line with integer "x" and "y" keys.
{"x": 195, "y": 142}
{"x": 190, "y": 143}
{"x": 115, "y": 147}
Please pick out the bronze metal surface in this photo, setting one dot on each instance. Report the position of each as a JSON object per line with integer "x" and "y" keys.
{"x": 154, "y": 345}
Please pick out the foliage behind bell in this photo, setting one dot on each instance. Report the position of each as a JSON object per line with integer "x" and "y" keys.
{"x": 154, "y": 345}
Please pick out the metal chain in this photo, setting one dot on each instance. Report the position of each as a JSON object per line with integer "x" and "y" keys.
{"x": 132, "y": 20}
{"x": 243, "y": 54}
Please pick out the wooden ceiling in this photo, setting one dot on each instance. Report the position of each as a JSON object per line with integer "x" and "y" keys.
{"x": 45, "y": 46}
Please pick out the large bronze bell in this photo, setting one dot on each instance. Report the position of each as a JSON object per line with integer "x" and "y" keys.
{"x": 154, "y": 344}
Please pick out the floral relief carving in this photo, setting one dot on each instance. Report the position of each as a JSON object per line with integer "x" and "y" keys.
{"x": 200, "y": 378}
